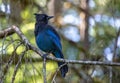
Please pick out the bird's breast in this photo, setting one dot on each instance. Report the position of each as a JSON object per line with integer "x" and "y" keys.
{"x": 44, "y": 42}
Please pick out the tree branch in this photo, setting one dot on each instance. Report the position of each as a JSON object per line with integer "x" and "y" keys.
{"x": 17, "y": 66}
{"x": 44, "y": 70}
{"x": 7, "y": 66}
{"x": 31, "y": 47}
{"x": 6, "y": 32}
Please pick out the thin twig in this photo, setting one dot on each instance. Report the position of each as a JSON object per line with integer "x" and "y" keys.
{"x": 82, "y": 74}
{"x": 17, "y": 66}
{"x": 115, "y": 45}
{"x": 114, "y": 55}
{"x": 110, "y": 74}
{"x": 1, "y": 57}
{"x": 44, "y": 70}
{"x": 9, "y": 62}
{"x": 53, "y": 80}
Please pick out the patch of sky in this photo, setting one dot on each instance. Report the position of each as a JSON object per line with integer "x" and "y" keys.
{"x": 91, "y": 3}
{"x": 71, "y": 17}
{"x": 112, "y": 22}
{"x": 91, "y": 21}
{"x": 108, "y": 54}
{"x": 71, "y": 33}
{"x": 97, "y": 18}
{"x": 4, "y": 8}
{"x": 105, "y": 18}
{"x": 118, "y": 42}
{"x": 98, "y": 72}
{"x": 117, "y": 23}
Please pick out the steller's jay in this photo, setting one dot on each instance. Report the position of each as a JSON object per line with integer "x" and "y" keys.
{"x": 48, "y": 40}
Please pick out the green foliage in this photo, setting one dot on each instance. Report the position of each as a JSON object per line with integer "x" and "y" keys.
{"x": 31, "y": 72}
{"x": 102, "y": 38}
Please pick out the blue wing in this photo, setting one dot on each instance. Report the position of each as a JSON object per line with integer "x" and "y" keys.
{"x": 55, "y": 38}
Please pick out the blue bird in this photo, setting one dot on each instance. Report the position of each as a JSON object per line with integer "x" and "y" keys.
{"x": 48, "y": 40}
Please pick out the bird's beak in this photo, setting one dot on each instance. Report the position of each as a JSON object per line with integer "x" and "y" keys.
{"x": 49, "y": 17}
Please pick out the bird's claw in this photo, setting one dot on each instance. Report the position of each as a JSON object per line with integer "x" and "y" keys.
{"x": 44, "y": 56}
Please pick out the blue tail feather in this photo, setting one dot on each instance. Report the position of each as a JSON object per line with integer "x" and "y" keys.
{"x": 63, "y": 69}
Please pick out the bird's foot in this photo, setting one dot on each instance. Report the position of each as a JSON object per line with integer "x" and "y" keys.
{"x": 45, "y": 55}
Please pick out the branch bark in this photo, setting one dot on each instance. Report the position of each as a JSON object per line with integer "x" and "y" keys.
{"x": 44, "y": 70}
{"x": 6, "y": 32}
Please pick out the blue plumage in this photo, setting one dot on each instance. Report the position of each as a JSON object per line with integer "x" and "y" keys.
{"x": 48, "y": 39}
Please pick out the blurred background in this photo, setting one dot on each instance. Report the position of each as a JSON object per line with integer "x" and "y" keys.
{"x": 89, "y": 30}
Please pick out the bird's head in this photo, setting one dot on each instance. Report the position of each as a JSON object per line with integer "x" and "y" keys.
{"x": 42, "y": 18}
